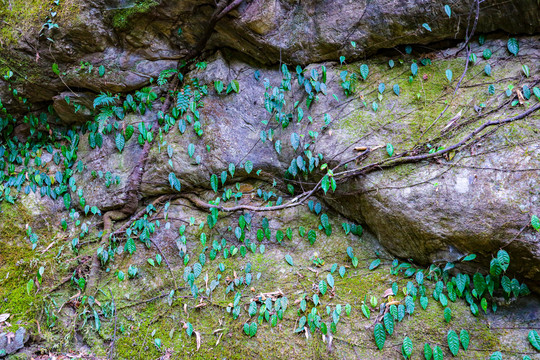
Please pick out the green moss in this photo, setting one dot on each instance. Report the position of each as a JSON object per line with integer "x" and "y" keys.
{"x": 121, "y": 18}
{"x": 22, "y": 17}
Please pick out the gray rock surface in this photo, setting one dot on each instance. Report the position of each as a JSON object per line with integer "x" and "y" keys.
{"x": 10, "y": 343}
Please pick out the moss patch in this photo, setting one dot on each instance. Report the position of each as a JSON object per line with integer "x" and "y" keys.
{"x": 122, "y": 18}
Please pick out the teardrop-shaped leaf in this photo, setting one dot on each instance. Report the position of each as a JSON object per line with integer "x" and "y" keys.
{"x": 364, "y": 71}
{"x": 322, "y": 287}
{"x": 380, "y": 336}
{"x": 120, "y": 142}
{"x": 407, "y": 347}
{"x": 497, "y": 355}
{"x": 191, "y": 150}
{"x": 382, "y": 87}
{"x": 534, "y": 339}
{"x": 366, "y": 311}
{"x": 428, "y": 353}
{"x": 535, "y": 222}
{"x": 374, "y": 264}
{"x": 289, "y": 260}
{"x": 389, "y": 323}
{"x": 295, "y": 141}
{"x": 437, "y": 353}
{"x": 464, "y": 337}
{"x": 214, "y": 182}
{"x": 414, "y": 69}
{"x": 447, "y": 10}
{"x": 390, "y": 149}
{"x": 101, "y": 71}
{"x": 487, "y": 69}
{"x": 252, "y": 327}
{"x": 449, "y": 75}
{"x": 447, "y": 314}
{"x": 487, "y": 54}
{"x": 453, "y": 342}
{"x": 504, "y": 259}
{"x": 248, "y": 166}
{"x": 396, "y": 89}
{"x": 325, "y": 221}
{"x": 513, "y": 46}
{"x": 526, "y": 70}
{"x": 424, "y": 302}
{"x": 426, "y": 26}
{"x": 330, "y": 280}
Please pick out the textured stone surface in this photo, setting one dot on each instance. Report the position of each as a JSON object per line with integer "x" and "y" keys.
{"x": 10, "y": 343}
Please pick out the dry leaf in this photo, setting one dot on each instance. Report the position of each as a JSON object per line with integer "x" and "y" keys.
{"x": 4, "y": 317}
{"x": 388, "y": 292}
{"x": 520, "y": 97}
{"x": 198, "y": 336}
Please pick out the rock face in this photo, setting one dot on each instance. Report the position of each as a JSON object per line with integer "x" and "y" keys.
{"x": 479, "y": 201}
{"x": 10, "y": 343}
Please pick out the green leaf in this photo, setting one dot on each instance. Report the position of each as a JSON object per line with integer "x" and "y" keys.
{"x": 67, "y": 201}
{"x": 191, "y": 150}
{"x": 235, "y": 86}
{"x": 330, "y": 280}
{"x": 424, "y": 302}
{"x": 389, "y": 323}
{"x": 101, "y": 71}
{"x": 481, "y": 40}
{"x": 374, "y": 264}
{"x": 364, "y": 71}
{"x": 469, "y": 257}
{"x": 491, "y": 89}
{"x": 382, "y": 87}
{"x": 504, "y": 259}
{"x": 449, "y": 75}
{"x": 252, "y": 327}
{"x": 325, "y": 184}
{"x": 248, "y": 166}
{"x": 426, "y": 26}
{"x": 464, "y": 337}
{"x": 322, "y": 287}
{"x": 390, "y": 149}
{"x": 497, "y": 355}
{"x": 513, "y": 46}
{"x": 277, "y": 146}
{"x": 214, "y": 182}
{"x": 487, "y": 54}
{"x": 453, "y": 342}
{"x": 366, "y": 311}
{"x": 536, "y": 91}
{"x": 391, "y": 63}
{"x": 342, "y": 271}
{"x": 324, "y": 221}
{"x": 487, "y": 69}
{"x": 414, "y": 69}
{"x": 448, "y": 12}
{"x": 130, "y": 246}
{"x": 55, "y": 69}
{"x": 295, "y": 140}
{"x": 218, "y": 85}
{"x": 437, "y": 353}
{"x": 535, "y": 222}
{"x": 289, "y": 260}
{"x": 407, "y": 347}
{"x": 447, "y": 314}
{"x": 396, "y": 89}
{"x": 534, "y": 339}
{"x": 380, "y": 336}
{"x": 29, "y": 286}
{"x": 428, "y": 353}
{"x": 120, "y": 142}
{"x": 312, "y": 236}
